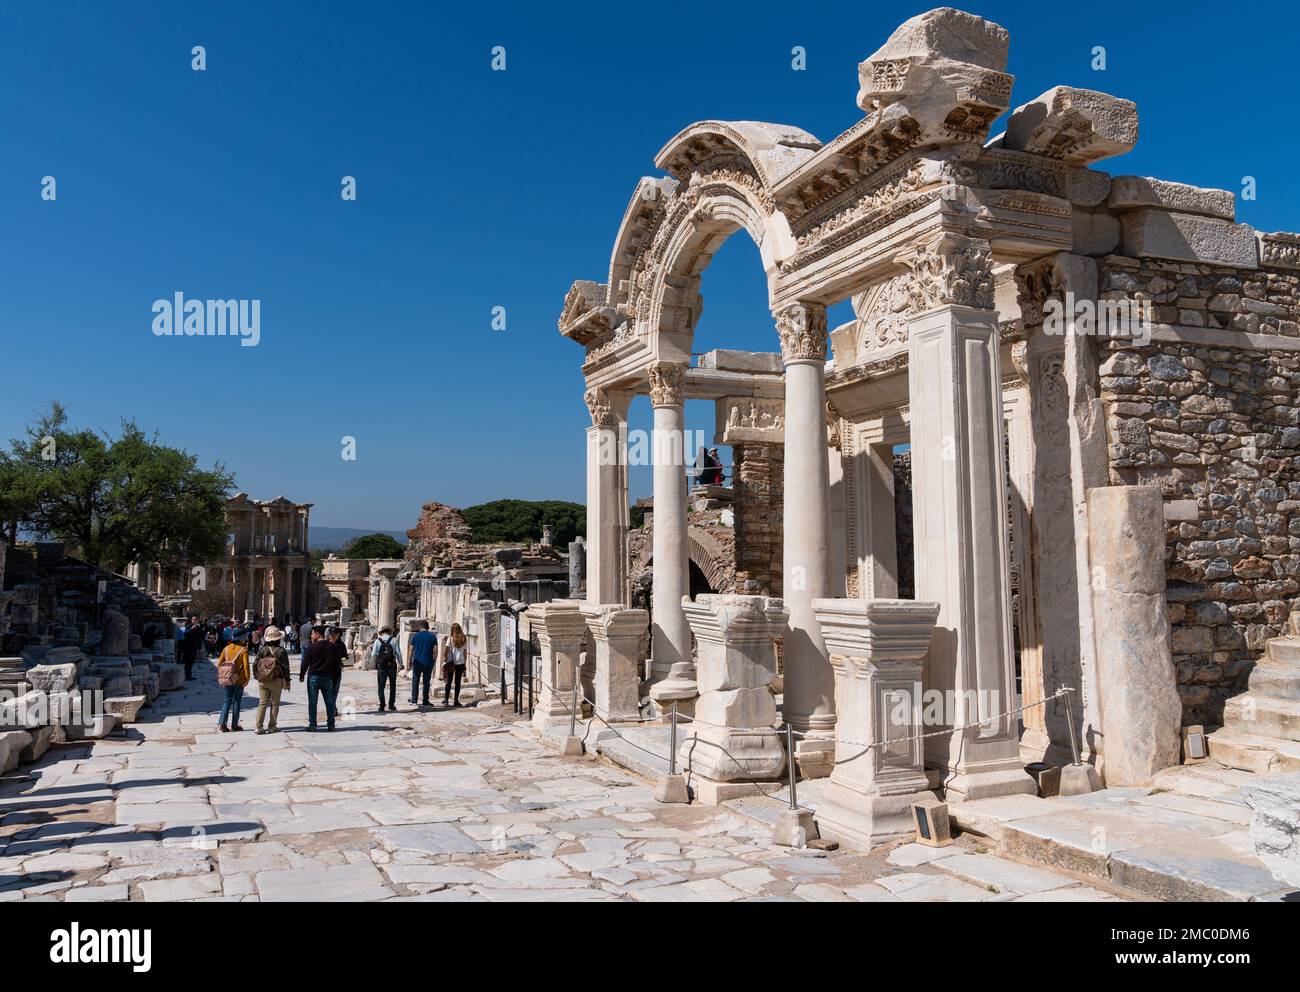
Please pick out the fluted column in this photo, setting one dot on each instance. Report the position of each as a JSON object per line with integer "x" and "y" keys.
{"x": 607, "y": 514}
{"x": 809, "y": 683}
{"x": 672, "y": 667}
{"x": 959, "y": 514}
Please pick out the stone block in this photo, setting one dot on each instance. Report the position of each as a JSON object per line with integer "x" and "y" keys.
{"x": 85, "y": 727}
{"x": 12, "y": 743}
{"x": 171, "y": 677}
{"x": 1155, "y": 233}
{"x": 1136, "y": 192}
{"x": 125, "y": 708}
{"x": 52, "y": 678}
{"x": 1073, "y": 125}
{"x": 1140, "y": 706}
{"x": 1275, "y": 827}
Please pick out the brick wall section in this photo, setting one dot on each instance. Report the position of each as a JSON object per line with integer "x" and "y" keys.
{"x": 759, "y": 477}
{"x": 1218, "y": 429}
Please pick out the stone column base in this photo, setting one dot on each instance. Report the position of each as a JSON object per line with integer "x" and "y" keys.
{"x": 727, "y": 764}
{"x": 553, "y": 714}
{"x": 864, "y": 822}
{"x": 814, "y": 756}
{"x": 683, "y": 693}
{"x": 1002, "y": 778}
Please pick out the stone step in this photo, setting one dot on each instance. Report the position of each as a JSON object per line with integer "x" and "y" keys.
{"x": 1247, "y": 752}
{"x": 1283, "y": 652}
{"x": 1263, "y": 716}
{"x": 1275, "y": 682}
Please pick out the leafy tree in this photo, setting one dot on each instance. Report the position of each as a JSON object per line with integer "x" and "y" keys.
{"x": 374, "y": 546}
{"x": 114, "y": 500}
{"x": 506, "y": 520}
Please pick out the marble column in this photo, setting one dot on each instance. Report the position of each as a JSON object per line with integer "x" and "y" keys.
{"x": 672, "y": 667}
{"x": 736, "y": 744}
{"x": 809, "y": 686}
{"x": 384, "y": 615}
{"x": 959, "y": 515}
{"x": 876, "y": 649}
{"x": 616, "y": 637}
{"x": 607, "y": 513}
{"x": 560, "y": 629}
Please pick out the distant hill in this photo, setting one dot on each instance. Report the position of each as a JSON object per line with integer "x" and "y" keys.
{"x": 333, "y": 538}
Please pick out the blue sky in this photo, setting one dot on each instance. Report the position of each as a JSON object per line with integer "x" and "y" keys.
{"x": 476, "y": 189}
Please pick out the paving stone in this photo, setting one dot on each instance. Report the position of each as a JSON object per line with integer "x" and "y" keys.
{"x": 340, "y": 883}
{"x": 912, "y": 855}
{"x": 432, "y": 838}
{"x": 1004, "y": 875}
{"x": 912, "y": 887}
{"x": 179, "y": 889}
{"x": 98, "y": 893}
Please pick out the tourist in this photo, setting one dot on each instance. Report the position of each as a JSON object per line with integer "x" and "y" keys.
{"x": 212, "y": 644}
{"x": 232, "y": 675}
{"x": 338, "y": 655}
{"x": 304, "y": 635}
{"x": 195, "y": 634}
{"x": 424, "y": 650}
{"x": 713, "y": 468}
{"x": 316, "y": 668}
{"x": 454, "y": 651}
{"x": 272, "y": 672}
{"x": 387, "y": 656}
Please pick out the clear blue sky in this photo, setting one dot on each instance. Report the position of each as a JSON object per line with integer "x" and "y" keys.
{"x": 476, "y": 189}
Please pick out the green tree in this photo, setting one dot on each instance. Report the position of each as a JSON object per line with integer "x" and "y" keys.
{"x": 114, "y": 500}
{"x": 374, "y": 546}
{"x": 507, "y": 520}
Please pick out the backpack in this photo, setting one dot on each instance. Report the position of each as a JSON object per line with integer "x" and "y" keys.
{"x": 385, "y": 656}
{"x": 227, "y": 668}
{"x": 268, "y": 666}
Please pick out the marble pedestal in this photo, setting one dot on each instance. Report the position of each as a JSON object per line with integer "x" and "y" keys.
{"x": 616, "y": 634}
{"x": 560, "y": 628}
{"x": 735, "y": 744}
{"x": 876, "y": 650}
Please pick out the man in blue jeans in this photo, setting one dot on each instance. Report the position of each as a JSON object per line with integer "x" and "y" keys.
{"x": 317, "y": 669}
{"x": 424, "y": 649}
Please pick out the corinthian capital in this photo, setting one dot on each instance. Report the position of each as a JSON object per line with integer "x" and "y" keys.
{"x": 802, "y": 328}
{"x": 666, "y": 381}
{"x": 598, "y": 405}
{"x": 950, "y": 270}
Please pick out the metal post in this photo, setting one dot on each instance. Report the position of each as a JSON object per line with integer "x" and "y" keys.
{"x": 672, "y": 742}
{"x": 573, "y": 708}
{"x": 789, "y": 751}
{"x": 1069, "y": 716}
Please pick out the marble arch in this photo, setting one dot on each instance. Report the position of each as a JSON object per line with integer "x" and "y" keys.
{"x": 952, "y": 244}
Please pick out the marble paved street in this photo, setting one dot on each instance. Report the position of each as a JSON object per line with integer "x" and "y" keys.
{"x": 436, "y": 805}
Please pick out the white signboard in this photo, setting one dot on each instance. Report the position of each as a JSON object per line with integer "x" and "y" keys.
{"x": 508, "y": 638}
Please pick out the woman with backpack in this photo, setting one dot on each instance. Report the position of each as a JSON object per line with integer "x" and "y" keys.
{"x": 272, "y": 674}
{"x": 387, "y": 657}
{"x": 454, "y": 651}
{"x": 232, "y": 675}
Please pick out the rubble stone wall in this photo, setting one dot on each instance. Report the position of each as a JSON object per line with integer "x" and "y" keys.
{"x": 1217, "y": 428}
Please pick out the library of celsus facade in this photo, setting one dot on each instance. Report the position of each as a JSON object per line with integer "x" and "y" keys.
{"x": 1096, "y": 376}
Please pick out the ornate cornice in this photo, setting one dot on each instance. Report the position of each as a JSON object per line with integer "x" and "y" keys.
{"x": 666, "y": 382}
{"x": 802, "y": 327}
{"x": 951, "y": 270}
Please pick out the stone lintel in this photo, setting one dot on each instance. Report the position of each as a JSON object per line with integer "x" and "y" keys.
{"x": 1150, "y": 232}
{"x": 1135, "y": 192}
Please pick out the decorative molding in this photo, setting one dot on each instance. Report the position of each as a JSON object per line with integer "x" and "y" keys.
{"x": 598, "y": 405}
{"x": 951, "y": 270}
{"x": 802, "y": 327}
{"x": 1280, "y": 249}
{"x": 666, "y": 382}
{"x": 1036, "y": 283}
{"x": 883, "y": 309}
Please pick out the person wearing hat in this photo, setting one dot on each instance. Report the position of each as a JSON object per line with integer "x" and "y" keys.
{"x": 272, "y": 673}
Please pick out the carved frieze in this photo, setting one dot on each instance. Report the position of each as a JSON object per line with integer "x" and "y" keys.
{"x": 882, "y": 320}
{"x": 1280, "y": 249}
{"x": 753, "y": 421}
